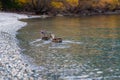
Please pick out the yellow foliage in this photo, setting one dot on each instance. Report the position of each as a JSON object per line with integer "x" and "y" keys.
{"x": 73, "y": 2}
{"x": 112, "y": 3}
{"x": 23, "y": 1}
{"x": 63, "y": 4}
{"x": 57, "y": 4}
{"x": 106, "y": 3}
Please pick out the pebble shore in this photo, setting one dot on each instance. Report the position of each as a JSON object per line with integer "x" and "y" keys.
{"x": 12, "y": 65}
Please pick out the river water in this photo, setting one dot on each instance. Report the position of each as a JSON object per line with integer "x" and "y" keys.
{"x": 90, "y": 48}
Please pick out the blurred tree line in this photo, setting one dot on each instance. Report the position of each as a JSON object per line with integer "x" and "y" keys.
{"x": 60, "y": 6}
{"x": 9, "y": 5}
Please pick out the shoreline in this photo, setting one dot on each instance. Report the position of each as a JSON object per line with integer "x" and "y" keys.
{"x": 82, "y": 13}
{"x": 12, "y": 64}
{"x": 91, "y": 14}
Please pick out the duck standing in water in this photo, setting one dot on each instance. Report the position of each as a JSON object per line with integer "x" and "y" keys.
{"x": 55, "y": 39}
{"x": 45, "y": 35}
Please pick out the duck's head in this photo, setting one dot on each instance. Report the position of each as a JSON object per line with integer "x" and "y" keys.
{"x": 42, "y": 32}
{"x": 52, "y": 36}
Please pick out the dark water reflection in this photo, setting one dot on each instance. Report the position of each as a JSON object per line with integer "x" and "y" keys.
{"x": 90, "y": 48}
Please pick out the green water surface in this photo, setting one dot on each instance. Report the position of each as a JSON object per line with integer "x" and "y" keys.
{"x": 90, "y": 48}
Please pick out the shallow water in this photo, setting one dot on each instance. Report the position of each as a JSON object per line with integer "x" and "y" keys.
{"x": 90, "y": 48}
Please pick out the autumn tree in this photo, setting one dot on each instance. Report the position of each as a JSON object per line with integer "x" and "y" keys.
{"x": 41, "y": 6}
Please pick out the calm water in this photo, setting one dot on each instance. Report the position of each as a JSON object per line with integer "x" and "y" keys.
{"x": 90, "y": 48}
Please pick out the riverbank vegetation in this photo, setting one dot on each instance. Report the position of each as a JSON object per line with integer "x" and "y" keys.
{"x": 64, "y": 7}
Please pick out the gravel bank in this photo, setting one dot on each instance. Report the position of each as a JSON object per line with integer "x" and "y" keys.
{"x": 12, "y": 65}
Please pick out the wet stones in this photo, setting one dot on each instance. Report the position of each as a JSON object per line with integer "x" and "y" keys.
{"x": 12, "y": 66}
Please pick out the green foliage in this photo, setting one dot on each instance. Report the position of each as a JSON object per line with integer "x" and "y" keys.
{"x": 10, "y": 4}
{"x": 0, "y": 5}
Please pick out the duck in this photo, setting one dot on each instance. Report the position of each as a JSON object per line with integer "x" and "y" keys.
{"x": 56, "y": 39}
{"x": 45, "y": 35}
